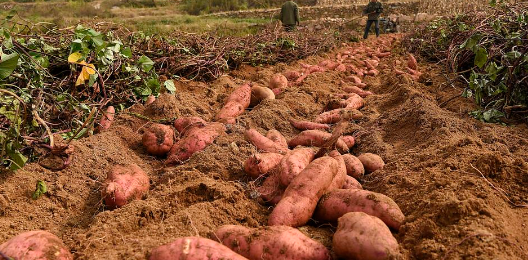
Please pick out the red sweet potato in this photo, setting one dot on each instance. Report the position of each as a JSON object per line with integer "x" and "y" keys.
{"x": 316, "y": 138}
{"x": 195, "y": 139}
{"x": 107, "y": 119}
{"x": 277, "y": 91}
{"x": 271, "y": 191}
{"x": 307, "y": 125}
{"x": 349, "y": 140}
{"x": 336, "y": 115}
{"x": 351, "y": 183}
{"x": 360, "y": 236}
{"x": 258, "y": 94}
{"x": 357, "y": 90}
{"x": 35, "y": 245}
{"x": 293, "y": 163}
{"x": 271, "y": 243}
{"x": 183, "y": 124}
{"x": 124, "y": 183}
{"x": 300, "y": 198}
{"x": 341, "y": 68}
{"x": 371, "y": 162}
{"x": 277, "y": 138}
{"x": 261, "y": 163}
{"x": 373, "y": 72}
{"x": 158, "y": 139}
{"x": 236, "y": 103}
{"x": 354, "y": 166}
{"x": 411, "y": 62}
{"x": 353, "y": 102}
{"x": 278, "y": 81}
{"x": 292, "y": 75}
{"x": 150, "y": 100}
{"x": 338, "y": 202}
{"x": 194, "y": 248}
{"x": 339, "y": 180}
{"x": 263, "y": 143}
{"x": 383, "y": 54}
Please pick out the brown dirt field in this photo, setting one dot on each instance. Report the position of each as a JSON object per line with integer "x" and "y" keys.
{"x": 461, "y": 183}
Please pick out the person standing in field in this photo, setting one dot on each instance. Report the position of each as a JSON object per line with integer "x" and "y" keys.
{"x": 289, "y": 15}
{"x": 373, "y": 11}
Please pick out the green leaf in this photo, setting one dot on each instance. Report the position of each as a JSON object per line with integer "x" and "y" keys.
{"x": 471, "y": 42}
{"x": 127, "y": 52}
{"x": 492, "y": 69}
{"x": 154, "y": 85}
{"x": 17, "y": 158}
{"x": 481, "y": 56}
{"x": 145, "y": 63}
{"x": 8, "y": 63}
{"x": 169, "y": 85}
{"x": 40, "y": 190}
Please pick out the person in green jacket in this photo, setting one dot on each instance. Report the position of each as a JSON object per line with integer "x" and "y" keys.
{"x": 289, "y": 15}
{"x": 373, "y": 11}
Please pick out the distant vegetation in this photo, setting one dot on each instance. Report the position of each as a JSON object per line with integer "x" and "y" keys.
{"x": 196, "y": 7}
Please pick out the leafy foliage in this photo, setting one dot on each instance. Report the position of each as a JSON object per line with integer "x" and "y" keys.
{"x": 488, "y": 49}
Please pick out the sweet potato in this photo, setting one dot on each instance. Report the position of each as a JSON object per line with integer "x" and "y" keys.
{"x": 328, "y": 64}
{"x": 261, "y": 163}
{"x": 271, "y": 243}
{"x": 258, "y": 94}
{"x": 183, "y": 124}
{"x": 371, "y": 162}
{"x": 354, "y": 166}
{"x": 340, "y": 178}
{"x": 373, "y": 72}
{"x": 35, "y": 245}
{"x": 271, "y": 191}
{"x": 300, "y": 198}
{"x": 293, "y": 163}
{"x": 357, "y": 90}
{"x": 150, "y": 100}
{"x": 188, "y": 248}
{"x": 195, "y": 139}
{"x": 158, "y": 139}
{"x": 277, "y": 138}
{"x": 341, "y": 68}
{"x": 336, "y": 203}
{"x": 107, "y": 119}
{"x": 336, "y": 115}
{"x": 278, "y": 81}
{"x": 316, "y": 138}
{"x": 411, "y": 62}
{"x": 360, "y": 236}
{"x": 292, "y": 75}
{"x": 353, "y": 102}
{"x": 236, "y": 103}
{"x": 354, "y": 79}
{"x": 277, "y": 91}
{"x": 124, "y": 183}
{"x": 383, "y": 54}
{"x": 349, "y": 140}
{"x": 263, "y": 143}
{"x": 307, "y": 125}
{"x": 351, "y": 183}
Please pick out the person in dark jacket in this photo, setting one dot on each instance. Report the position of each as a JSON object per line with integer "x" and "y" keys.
{"x": 373, "y": 11}
{"x": 289, "y": 15}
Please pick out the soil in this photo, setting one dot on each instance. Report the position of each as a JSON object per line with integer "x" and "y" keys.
{"x": 461, "y": 183}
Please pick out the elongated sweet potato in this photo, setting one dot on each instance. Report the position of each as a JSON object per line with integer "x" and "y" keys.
{"x": 351, "y": 183}
{"x": 300, "y": 198}
{"x": 183, "y": 124}
{"x": 356, "y": 90}
{"x": 271, "y": 191}
{"x": 258, "y": 94}
{"x": 124, "y": 183}
{"x": 360, "y": 236}
{"x": 341, "y": 68}
{"x": 107, "y": 119}
{"x": 277, "y": 138}
{"x": 339, "y": 180}
{"x": 349, "y": 140}
{"x": 371, "y": 162}
{"x": 292, "y": 75}
{"x": 307, "y": 125}
{"x": 35, "y": 245}
{"x": 354, "y": 102}
{"x": 278, "y": 81}
{"x": 188, "y": 248}
{"x": 294, "y": 163}
{"x": 354, "y": 166}
{"x": 336, "y": 115}
{"x": 235, "y": 104}
{"x": 263, "y": 143}
{"x": 158, "y": 139}
{"x": 150, "y": 100}
{"x": 411, "y": 62}
{"x": 271, "y": 243}
{"x": 261, "y": 163}
{"x": 316, "y": 138}
{"x": 195, "y": 139}
{"x": 336, "y": 203}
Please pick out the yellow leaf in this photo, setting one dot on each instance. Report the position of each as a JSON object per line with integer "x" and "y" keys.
{"x": 80, "y": 80}
{"x": 74, "y": 57}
